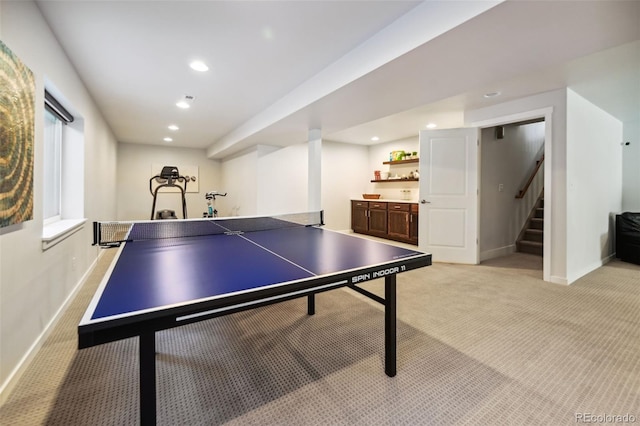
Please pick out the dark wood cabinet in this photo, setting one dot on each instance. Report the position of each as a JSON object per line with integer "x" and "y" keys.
{"x": 392, "y": 220}
{"x": 399, "y": 220}
{"x": 413, "y": 224}
{"x": 360, "y": 216}
{"x": 378, "y": 218}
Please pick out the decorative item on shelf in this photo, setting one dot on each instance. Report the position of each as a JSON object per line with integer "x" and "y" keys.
{"x": 384, "y": 175}
{"x": 397, "y": 155}
{"x": 411, "y": 155}
{"x": 416, "y": 175}
{"x": 376, "y": 175}
{"x": 371, "y": 196}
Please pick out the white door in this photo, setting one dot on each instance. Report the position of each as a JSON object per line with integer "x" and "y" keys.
{"x": 448, "y": 218}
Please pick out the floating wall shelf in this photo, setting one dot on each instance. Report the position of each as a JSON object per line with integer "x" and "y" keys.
{"x": 413, "y": 160}
{"x": 397, "y": 180}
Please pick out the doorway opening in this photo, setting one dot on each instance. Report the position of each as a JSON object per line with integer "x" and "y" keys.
{"x": 511, "y": 194}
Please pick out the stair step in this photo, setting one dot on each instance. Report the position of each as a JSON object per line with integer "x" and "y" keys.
{"x": 531, "y": 239}
{"x": 530, "y": 247}
{"x": 536, "y": 223}
{"x": 535, "y": 235}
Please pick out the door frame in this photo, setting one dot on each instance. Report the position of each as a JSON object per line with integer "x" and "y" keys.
{"x": 547, "y": 114}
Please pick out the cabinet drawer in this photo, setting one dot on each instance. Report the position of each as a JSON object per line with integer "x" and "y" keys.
{"x": 377, "y": 205}
{"x": 404, "y": 207}
{"x": 414, "y": 208}
{"x": 360, "y": 204}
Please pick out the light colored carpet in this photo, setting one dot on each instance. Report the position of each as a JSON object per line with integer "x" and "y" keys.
{"x": 488, "y": 344}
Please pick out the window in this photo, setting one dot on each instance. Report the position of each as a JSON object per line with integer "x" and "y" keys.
{"x": 52, "y": 166}
{"x": 63, "y": 173}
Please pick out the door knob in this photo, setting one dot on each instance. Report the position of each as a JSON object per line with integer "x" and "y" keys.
{"x": 425, "y": 202}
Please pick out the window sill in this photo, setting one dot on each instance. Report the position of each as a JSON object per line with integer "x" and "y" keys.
{"x": 58, "y": 231}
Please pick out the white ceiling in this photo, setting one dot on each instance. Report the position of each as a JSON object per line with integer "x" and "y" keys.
{"x": 354, "y": 69}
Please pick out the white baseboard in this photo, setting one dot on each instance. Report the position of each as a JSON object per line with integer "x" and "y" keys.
{"x": 583, "y": 272}
{"x": 558, "y": 280}
{"x": 15, "y": 375}
{"x": 590, "y": 268}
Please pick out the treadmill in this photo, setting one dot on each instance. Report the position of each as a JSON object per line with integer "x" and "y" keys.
{"x": 169, "y": 177}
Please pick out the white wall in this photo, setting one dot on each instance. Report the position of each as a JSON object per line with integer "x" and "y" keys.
{"x": 551, "y": 105}
{"x": 35, "y": 284}
{"x": 631, "y": 166}
{"x": 240, "y": 182}
{"x": 594, "y": 184}
{"x": 583, "y": 178}
{"x": 345, "y": 175}
{"x": 282, "y": 176}
{"x": 134, "y": 171}
{"x": 263, "y": 180}
{"x": 270, "y": 180}
{"x": 507, "y": 162}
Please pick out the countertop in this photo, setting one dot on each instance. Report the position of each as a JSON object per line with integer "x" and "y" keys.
{"x": 387, "y": 200}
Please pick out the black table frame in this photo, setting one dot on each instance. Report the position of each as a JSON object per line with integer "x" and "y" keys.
{"x": 146, "y": 325}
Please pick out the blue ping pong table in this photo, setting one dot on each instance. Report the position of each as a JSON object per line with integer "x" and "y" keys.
{"x": 163, "y": 277}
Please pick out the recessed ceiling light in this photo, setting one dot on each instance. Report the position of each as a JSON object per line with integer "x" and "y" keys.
{"x": 168, "y": 140}
{"x": 432, "y": 126}
{"x": 491, "y": 94}
{"x": 174, "y": 127}
{"x": 267, "y": 33}
{"x": 199, "y": 66}
{"x": 186, "y": 101}
{"x": 375, "y": 138}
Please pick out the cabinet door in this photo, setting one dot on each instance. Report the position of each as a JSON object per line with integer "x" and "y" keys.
{"x": 399, "y": 220}
{"x": 378, "y": 218}
{"x": 413, "y": 224}
{"x": 359, "y": 216}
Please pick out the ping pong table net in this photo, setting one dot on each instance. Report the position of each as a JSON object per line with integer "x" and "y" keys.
{"x": 113, "y": 233}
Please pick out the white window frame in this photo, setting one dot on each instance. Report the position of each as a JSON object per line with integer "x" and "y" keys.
{"x": 70, "y": 174}
{"x": 52, "y": 169}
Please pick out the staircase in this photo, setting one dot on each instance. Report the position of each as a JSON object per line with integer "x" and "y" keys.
{"x": 531, "y": 237}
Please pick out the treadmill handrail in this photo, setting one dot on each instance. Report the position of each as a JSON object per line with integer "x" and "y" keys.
{"x": 170, "y": 182}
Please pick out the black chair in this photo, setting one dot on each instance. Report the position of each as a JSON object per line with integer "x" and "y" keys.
{"x": 628, "y": 237}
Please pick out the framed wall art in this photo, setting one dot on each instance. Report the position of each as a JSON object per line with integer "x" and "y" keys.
{"x": 17, "y": 119}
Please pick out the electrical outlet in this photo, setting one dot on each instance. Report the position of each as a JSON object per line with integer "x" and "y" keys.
{"x": 500, "y": 187}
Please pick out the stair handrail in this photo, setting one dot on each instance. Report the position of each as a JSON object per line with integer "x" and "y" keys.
{"x": 523, "y": 191}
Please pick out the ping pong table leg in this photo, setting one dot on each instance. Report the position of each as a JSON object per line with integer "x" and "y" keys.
{"x": 147, "y": 355}
{"x": 311, "y": 304}
{"x": 390, "y": 325}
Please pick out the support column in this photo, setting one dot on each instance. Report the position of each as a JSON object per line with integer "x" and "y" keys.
{"x": 315, "y": 170}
